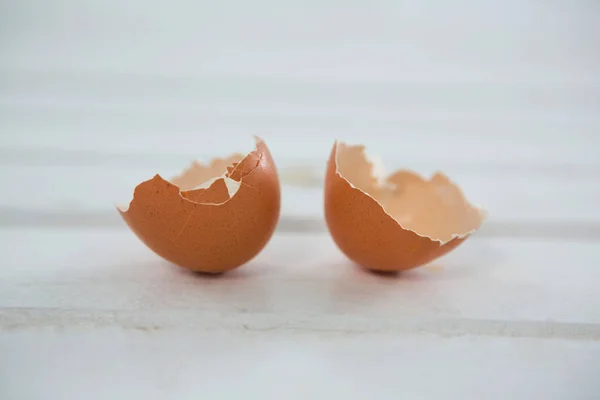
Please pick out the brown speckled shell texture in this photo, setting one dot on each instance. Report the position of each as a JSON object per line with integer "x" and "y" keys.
{"x": 204, "y": 229}
{"x": 395, "y": 225}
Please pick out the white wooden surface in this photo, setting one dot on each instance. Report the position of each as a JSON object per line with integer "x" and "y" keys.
{"x": 502, "y": 96}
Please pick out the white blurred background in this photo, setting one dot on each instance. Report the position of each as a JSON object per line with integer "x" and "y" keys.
{"x": 98, "y": 95}
{"x": 504, "y": 96}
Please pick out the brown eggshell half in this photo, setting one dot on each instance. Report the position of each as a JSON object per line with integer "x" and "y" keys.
{"x": 206, "y": 229}
{"x": 394, "y": 225}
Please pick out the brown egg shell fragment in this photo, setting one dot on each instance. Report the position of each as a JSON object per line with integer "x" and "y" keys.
{"x": 205, "y": 229}
{"x": 402, "y": 224}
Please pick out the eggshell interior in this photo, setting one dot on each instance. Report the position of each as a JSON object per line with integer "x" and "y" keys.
{"x": 434, "y": 208}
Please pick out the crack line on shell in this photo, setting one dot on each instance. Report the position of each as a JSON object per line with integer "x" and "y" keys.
{"x": 245, "y": 174}
{"x": 238, "y": 165}
{"x": 185, "y": 224}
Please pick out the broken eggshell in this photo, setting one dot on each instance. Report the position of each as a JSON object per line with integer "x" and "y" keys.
{"x": 394, "y": 223}
{"x": 194, "y": 221}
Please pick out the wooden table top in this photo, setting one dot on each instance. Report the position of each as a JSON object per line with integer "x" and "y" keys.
{"x": 505, "y": 100}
